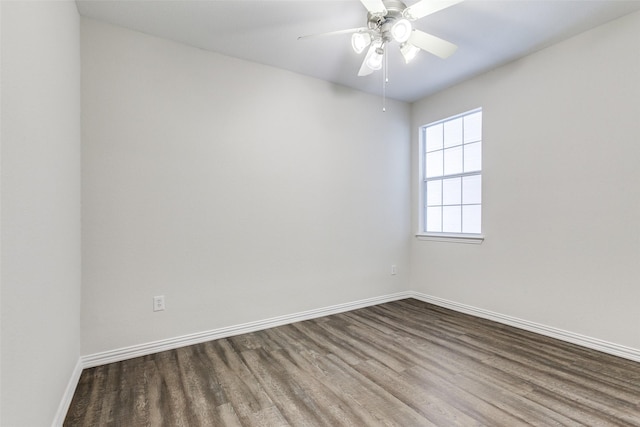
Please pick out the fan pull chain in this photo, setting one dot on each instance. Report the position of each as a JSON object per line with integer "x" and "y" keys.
{"x": 385, "y": 80}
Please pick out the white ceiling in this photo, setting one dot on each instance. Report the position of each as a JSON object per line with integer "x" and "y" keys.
{"x": 488, "y": 33}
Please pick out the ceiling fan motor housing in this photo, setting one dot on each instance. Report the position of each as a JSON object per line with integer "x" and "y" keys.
{"x": 381, "y": 24}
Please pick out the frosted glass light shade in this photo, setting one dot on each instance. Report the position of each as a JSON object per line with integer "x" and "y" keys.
{"x": 401, "y": 30}
{"x": 374, "y": 61}
{"x": 359, "y": 41}
{"x": 408, "y": 51}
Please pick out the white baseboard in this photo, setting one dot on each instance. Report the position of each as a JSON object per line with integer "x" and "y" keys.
{"x": 145, "y": 349}
{"x": 68, "y": 395}
{"x": 581, "y": 340}
{"x": 125, "y": 353}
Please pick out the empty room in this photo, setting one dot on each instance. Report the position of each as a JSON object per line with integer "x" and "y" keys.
{"x": 320, "y": 213}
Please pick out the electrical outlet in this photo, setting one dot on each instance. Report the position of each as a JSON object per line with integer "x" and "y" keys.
{"x": 394, "y": 270}
{"x": 158, "y": 303}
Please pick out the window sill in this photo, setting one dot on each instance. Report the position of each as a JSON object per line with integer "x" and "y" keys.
{"x": 473, "y": 239}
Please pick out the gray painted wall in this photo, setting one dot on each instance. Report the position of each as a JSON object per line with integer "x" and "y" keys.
{"x": 238, "y": 191}
{"x": 561, "y": 189}
{"x": 40, "y": 224}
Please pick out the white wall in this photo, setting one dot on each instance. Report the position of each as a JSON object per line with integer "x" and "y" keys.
{"x": 561, "y": 189}
{"x": 239, "y": 191}
{"x": 40, "y": 228}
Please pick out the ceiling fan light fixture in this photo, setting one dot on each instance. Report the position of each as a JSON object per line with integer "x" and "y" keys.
{"x": 408, "y": 51}
{"x": 374, "y": 60}
{"x": 401, "y": 30}
{"x": 389, "y": 21}
{"x": 360, "y": 41}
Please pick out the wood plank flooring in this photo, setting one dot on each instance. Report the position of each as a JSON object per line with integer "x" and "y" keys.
{"x": 404, "y": 363}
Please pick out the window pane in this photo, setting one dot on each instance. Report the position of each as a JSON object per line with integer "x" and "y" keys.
{"x": 434, "y": 219}
{"x": 451, "y": 221}
{"x": 433, "y": 137}
{"x": 471, "y": 219}
{"x": 472, "y": 190}
{"x": 453, "y": 133}
{"x": 451, "y": 191}
{"x": 453, "y": 161}
{"x": 473, "y": 157}
{"x": 473, "y": 127}
{"x": 451, "y": 184}
{"x": 434, "y": 164}
{"x": 434, "y": 193}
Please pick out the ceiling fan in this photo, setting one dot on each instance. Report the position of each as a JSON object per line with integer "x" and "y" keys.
{"x": 390, "y": 20}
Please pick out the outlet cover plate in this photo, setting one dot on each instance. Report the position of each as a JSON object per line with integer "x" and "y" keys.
{"x": 158, "y": 303}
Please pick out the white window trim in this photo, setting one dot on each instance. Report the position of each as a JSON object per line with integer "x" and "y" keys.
{"x": 474, "y": 239}
{"x": 465, "y": 238}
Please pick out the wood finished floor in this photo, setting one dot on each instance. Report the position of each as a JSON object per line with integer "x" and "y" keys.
{"x": 404, "y": 363}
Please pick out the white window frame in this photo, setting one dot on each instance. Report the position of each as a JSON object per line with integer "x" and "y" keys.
{"x": 422, "y": 234}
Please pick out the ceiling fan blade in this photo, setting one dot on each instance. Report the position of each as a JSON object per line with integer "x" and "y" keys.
{"x": 333, "y": 33}
{"x": 364, "y": 68}
{"x": 427, "y": 7}
{"x": 432, "y": 44}
{"x": 375, "y": 7}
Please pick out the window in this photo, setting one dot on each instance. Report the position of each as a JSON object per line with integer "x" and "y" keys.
{"x": 451, "y": 176}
